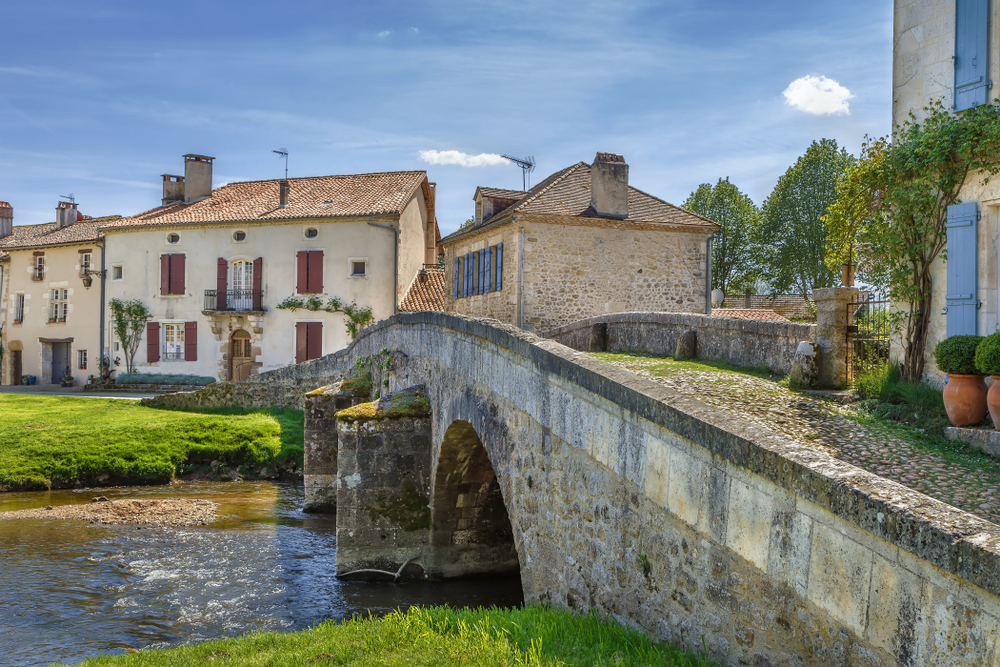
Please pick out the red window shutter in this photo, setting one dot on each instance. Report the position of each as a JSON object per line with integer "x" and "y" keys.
{"x": 177, "y": 274}
{"x": 152, "y": 342}
{"x": 315, "y": 271}
{"x": 221, "y": 283}
{"x": 258, "y": 270}
{"x": 300, "y": 341}
{"x": 190, "y": 341}
{"x": 164, "y": 275}
{"x": 315, "y": 340}
{"x": 302, "y": 275}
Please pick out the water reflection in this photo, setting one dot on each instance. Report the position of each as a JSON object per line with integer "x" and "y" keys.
{"x": 68, "y": 591}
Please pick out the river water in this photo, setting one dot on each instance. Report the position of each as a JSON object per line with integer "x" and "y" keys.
{"x": 70, "y": 590}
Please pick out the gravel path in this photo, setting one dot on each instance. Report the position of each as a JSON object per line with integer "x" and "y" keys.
{"x": 822, "y": 424}
{"x": 169, "y": 512}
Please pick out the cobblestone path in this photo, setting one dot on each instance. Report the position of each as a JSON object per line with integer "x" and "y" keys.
{"x": 823, "y": 424}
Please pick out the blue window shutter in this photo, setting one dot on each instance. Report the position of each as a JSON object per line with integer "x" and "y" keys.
{"x": 458, "y": 266}
{"x": 971, "y": 54}
{"x": 962, "y": 270}
{"x": 487, "y": 254}
{"x": 499, "y": 281}
{"x": 482, "y": 271}
{"x": 468, "y": 274}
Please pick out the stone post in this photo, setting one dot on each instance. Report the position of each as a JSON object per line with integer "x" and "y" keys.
{"x": 831, "y": 333}
{"x": 320, "y": 469}
{"x": 383, "y": 486}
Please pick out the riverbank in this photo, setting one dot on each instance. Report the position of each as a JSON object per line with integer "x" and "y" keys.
{"x": 431, "y": 636}
{"x": 68, "y": 442}
{"x": 166, "y": 512}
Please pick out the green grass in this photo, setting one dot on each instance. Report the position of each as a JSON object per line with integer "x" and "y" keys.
{"x": 431, "y": 636}
{"x": 291, "y": 422}
{"x": 46, "y": 440}
{"x": 665, "y": 366}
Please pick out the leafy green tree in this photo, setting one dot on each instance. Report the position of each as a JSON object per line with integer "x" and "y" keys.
{"x": 892, "y": 209}
{"x": 734, "y": 265}
{"x": 129, "y": 320}
{"x": 792, "y": 239}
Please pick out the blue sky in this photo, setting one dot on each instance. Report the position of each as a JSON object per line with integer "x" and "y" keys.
{"x": 99, "y": 99}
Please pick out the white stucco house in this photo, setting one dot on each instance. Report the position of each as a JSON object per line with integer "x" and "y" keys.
{"x": 213, "y": 265}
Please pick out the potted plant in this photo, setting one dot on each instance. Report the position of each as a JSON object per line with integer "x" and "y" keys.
{"x": 24, "y": 380}
{"x": 988, "y": 361}
{"x": 965, "y": 393}
{"x": 67, "y": 380}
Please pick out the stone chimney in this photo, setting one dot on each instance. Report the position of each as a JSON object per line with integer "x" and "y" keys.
{"x": 283, "y": 193}
{"x": 66, "y": 214}
{"x": 6, "y": 219}
{"x": 173, "y": 189}
{"x": 609, "y": 185}
{"x": 197, "y": 177}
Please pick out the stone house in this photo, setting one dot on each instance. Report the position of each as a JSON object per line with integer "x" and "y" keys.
{"x": 52, "y": 320}
{"x": 214, "y": 265}
{"x": 948, "y": 50}
{"x": 582, "y": 242}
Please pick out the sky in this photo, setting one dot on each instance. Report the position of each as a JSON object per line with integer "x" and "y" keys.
{"x": 99, "y": 99}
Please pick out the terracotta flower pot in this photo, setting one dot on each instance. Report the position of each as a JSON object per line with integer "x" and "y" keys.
{"x": 965, "y": 399}
{"x": 993, "y": 401}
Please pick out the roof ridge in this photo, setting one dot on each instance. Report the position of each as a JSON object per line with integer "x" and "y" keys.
{"x": 679, "y": 208}
{"x": 306, "y": 178}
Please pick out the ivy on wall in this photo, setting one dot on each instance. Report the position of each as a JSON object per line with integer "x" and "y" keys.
{"x": 358, "y": 317}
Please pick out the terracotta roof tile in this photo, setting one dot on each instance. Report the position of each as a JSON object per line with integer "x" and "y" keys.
{"x": 749, "y": 314}
{"x": 426, "y": 292}
{"x": 792, "y": 306}
{"x": 4, "y": 204}
{"x": 47, "y": 234}
{"x": 567, "y": 193}
{"x": 500, "y": 193}
{"x": 314, "y": 197}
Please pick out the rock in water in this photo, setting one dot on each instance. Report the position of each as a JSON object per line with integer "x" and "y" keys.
{"x": 687, "y": 345}
{"x": 805, "y": 366}
{"x": 99, "y": 499}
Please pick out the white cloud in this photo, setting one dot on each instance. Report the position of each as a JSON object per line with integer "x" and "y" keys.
{"x": 415, "y": 30}
{"x": 384, "y": 34}
{"x": 460, "y": 158}
{"x": 818, "y": 95}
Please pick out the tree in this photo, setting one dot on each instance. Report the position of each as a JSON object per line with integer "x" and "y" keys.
{"x": 793, "y": 238}
{"x": 129, "y": 320}
{"x": 892, "y": 209}
{"x": 733, "y": 262}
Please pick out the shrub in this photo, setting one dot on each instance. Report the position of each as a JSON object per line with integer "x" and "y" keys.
{"x": 957, "y": 354}
{"x": 988, "y": 355}
{"x": 879, "y": 383}
{"x": 161, "y": 378}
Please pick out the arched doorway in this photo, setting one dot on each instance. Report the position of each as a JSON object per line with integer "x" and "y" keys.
{"x": 471, "y": 530}
{"x": 240, "y": 355}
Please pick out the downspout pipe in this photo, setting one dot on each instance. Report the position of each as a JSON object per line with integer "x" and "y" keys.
{"x": 520, "y": 278}
{"x": 103, "y": 323}
{"x": 708, "y": 275}
{"x": 395, "y": 263}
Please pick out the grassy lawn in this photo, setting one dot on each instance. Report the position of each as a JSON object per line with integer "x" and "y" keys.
{"x": 431, "y": 636}
{"x": 46, "y": 440}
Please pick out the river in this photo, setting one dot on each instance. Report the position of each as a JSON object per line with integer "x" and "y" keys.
{"x": 70, "y": 590}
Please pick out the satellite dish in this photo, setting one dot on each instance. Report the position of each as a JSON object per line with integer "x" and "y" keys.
{"x": 718, "y": 298}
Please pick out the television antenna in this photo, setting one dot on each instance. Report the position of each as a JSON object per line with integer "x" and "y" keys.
{"x": 527, "y": 166}
{"x": 71, "y": 197}
{"x": 283, "y": 152}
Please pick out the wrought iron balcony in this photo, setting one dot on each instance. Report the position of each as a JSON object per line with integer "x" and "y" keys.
{"x": 234, "y": 300}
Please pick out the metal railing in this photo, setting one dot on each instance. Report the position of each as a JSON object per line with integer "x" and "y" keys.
{"x": 234, "y": 299}
{"x": 868, "y": 330}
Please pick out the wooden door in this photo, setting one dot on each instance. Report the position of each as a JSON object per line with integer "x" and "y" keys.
{"x": 60, "y": 361}
{"x": 240, "y": 356}
{"x": 17, "y": 369}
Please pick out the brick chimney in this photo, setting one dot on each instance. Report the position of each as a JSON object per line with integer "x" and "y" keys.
{"x": 66, "y": 214}
{"x": 197, "y": 177}
{"x": 6, "y": 219}
{"x": 609, "y": 185}
{"x": 173, "y": 189}
{"x": 283, "y": 193}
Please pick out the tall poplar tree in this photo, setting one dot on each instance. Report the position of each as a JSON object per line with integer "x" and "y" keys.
{"x": 734, "y": 268}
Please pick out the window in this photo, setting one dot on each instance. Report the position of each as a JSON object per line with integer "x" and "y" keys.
{"x": 359, "y": 268}
{"x": 118, "y": 347}
{"x": 38, "y": 270}
{"x": 173, "y": 238}
{"x": 172, "y": 274}
{"x": 173, "y": 341}
{"x": 240, "y": 236}
{"x": 309, "y": 272}
{"x": 58, "y": 305}
{"x": 117, "y": 272}
{"x": 82, "y": 354}
{"x": 18, "y": 308}
{"x": 84, "y": 263}
{"x": 312, "y": 233}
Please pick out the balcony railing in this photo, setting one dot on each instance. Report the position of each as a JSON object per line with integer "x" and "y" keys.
{"x": 234, "y": 300}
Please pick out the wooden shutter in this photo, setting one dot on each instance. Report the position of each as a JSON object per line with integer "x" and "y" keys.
{"x": 301, "y": 273}
{"x": 314, "y": 340}
{"x": 190, "y": 341}
{"x": 152, "y": 342}
{"x": 499, "y": 281}
{"x": 468, "y": 273}
{"x": 301, "y": 350}
{"x": 481, "y": 272}
{"x": 164, "y": 275}
{"x": 177, "y": 273}
{"x": 258, "y": 282}
{"x": 487, "y": 254}
{"x": 971, "y": 55}
{"x": 315, "y": 277}
{"x": 961, "y": 269}
{"x": 458, "y": 280}
{"x": 221, "y": 283}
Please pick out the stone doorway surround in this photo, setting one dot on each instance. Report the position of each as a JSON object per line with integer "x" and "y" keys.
{"x": 46, "y": 352}
{"x": 225, "y": 326}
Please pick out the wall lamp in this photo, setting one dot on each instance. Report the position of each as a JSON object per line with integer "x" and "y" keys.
{"x": 88, "y": 281}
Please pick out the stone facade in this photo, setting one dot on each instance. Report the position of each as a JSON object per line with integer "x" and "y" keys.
{"x": 320, "y": 428}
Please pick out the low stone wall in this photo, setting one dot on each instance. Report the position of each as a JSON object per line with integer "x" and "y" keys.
{"x": 747, "y": 343}
{"x": 141, "y": 388}
{"x": 986, "y": 440}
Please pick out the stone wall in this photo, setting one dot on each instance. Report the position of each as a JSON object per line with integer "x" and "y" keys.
{"x": 747, "y": 343}
{"x": 320, "y": 443}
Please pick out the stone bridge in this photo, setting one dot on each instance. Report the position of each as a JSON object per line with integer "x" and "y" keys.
{"x": 610, "y": 492}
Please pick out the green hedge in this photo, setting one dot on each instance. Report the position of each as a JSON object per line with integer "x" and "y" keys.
{"x": 158, "y": 378}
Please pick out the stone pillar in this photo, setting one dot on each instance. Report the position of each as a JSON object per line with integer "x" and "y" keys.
{"x": 320, "y": 470}
{"x": 831, "y": 333}
{"x": 383, "y": 486}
